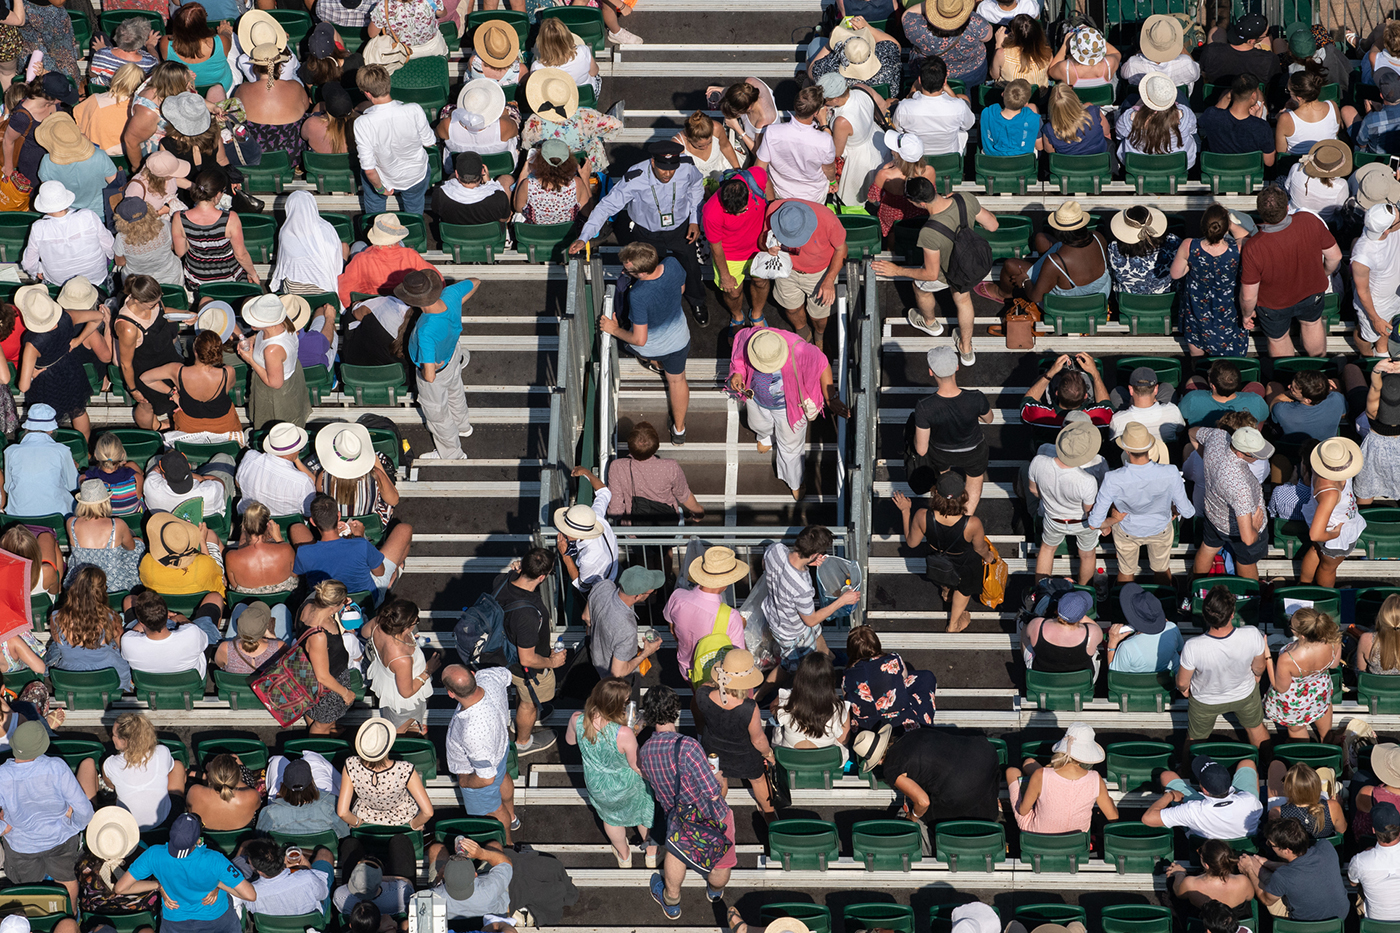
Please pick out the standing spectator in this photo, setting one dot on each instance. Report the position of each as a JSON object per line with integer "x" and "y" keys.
{"x": 697, "y": 611}
{"x": 1300, "y": 682}
{"x": 553, "y": 97}
{"x": 527, "y": 626}
{"x": 1146, "y": 643}
{"x": 1225, "y": 393}
{"x": 1300, "y": 255}
{"x": 1067, "y": 494}
{"x": 1162, "y": 47}
{"x": 935, "y": 114}
{"x": 659, "y": 335}
{"x": 1220, "y": 671}
{"x": 390, "y": 138}
{"x": 1237, "y": 124}
{"x": 788, "y": 382}
{"x": 83, "y": 168}
{"x": 957, "y": 544}
{"x": 1065, "y": 387}
{"x": 1380, "y": 466}
{"x": 1375, "y": 274}
{"x": 1065, "y": 641}
{"x": 1335, "y": 522}
{"x": 195, "y": 881}
{"x": 1377, "y": 869}
{"x": 1210, "y": 265}
{"x": 958, "y": 414}
{"x": 815, "y": 241}
{"x": 275, "y": 475}
{"x": 732, "y": 223}
{"x": 790, "y": 606}
{"x": 617, "y": 792}
{"x": 1142, "y": 251}
{"x": 1060, "y": 797}
{"x": 799, "y": 158}
{"x": 40, "y": 474}
{"x": 612, "y": 622}
{"x": 733, "y": 729}
{"x": 748, "y": 108}
{"x": 1162, "y": 419}
{"x": 400, "y": 672}
{"x": 873, "y": 674}
{"x": 1379, "y": 130}
{"x": 645, "y": 489}
{"x": 1136, "y": 503}
{"x": 435, "y": 347}
{"x": 860, "y": 145}
{"x": 1234, "y": 499}
{"x": 67, "y": 241}
{"x": 277, "y": 391}
{"x": 381, "y": 266}
{"x": 1159, "y": 124}
{"x": 1308, "y": 408}
{"x": 1305, "y": 882}
{"x": 949, "y": 30}
{"x": 1225, "y": 806}
{"x": 476, "y": 742}
{"x": 1246, "y": 51}
{"x": 586, "y": 543}
{"x": 45, "y": 812}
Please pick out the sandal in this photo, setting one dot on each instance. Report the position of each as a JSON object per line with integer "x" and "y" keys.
{"x": 984, "y": 289}
{"x": 760, "y": 321}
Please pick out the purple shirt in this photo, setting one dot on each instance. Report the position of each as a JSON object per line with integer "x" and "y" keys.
{"x": 313, "y": 349}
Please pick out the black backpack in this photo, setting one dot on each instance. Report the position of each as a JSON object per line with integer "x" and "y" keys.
{"x": 972, "y": 256}
{"x": 1043, "y": 599}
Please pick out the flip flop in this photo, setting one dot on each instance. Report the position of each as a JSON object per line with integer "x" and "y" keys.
{"x": 983, "y": 289}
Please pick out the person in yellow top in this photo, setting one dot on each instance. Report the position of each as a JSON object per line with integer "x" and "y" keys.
{"x": 179, "y": 562}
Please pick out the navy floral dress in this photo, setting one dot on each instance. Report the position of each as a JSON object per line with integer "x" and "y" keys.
{"x": 1210, "y": 319}
{"x": 1144, "y": 275}
{"x": 886, "y": 690}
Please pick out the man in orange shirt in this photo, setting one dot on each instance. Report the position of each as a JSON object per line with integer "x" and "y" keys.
{"x": 381, "y": 266}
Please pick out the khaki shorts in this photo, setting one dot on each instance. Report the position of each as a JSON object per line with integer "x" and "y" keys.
{"x": 1201, "y": 717}
{"x": 799, "y": 287}
{"x": 544, "y": 686}
{"x": 1159, "y": 550}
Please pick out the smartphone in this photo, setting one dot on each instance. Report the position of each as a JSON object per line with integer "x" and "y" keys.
{"x": 1395, "y": 165}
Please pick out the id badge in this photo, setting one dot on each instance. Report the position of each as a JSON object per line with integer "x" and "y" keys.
{"x": 668, "y": 220}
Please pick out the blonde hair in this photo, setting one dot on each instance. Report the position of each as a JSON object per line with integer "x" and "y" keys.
{"x": 1303, "y": 788}
{"x": 555, "y": 45}
{"x": 108, "y": 448}
{"x": 101, "y": 509}
{"x": 143, "y": 231}
{"x": 328, "y": 594}
{"x": 1069, "y": 118}
{"x": 1310, "y": 625}
{"x": 140, "y": 738}
{"x": 125, "y": 81}
{"x": 1388, "y": 632}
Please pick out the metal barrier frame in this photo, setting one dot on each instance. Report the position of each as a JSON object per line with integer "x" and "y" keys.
{"x": 866, "y": 327}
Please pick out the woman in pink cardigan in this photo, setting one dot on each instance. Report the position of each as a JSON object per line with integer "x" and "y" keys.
{"x": 777, "y": 371}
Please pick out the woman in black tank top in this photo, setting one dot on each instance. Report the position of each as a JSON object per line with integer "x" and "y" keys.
{"x": 957, "y": 544}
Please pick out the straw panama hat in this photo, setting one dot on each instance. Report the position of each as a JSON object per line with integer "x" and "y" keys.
{"x": 39, "y": 311}
{"x": 767, "y": 351}
{"x": 386, "y": 231}
{"x": 497, "y": 43}
{"x": 63, "y": 140}
{"x": 1328, "y": 158}
{"x": 483, "y": 97}
{"x": 78, "y": 294}
{"x": 1136, "y": 438}
{"x": 172, "y": 541}
{"x": 1069, "y": 216}
{"x": 717, "y": 567}
{"x": 112, "y": 833}
{"x": 787, "y": 925}
{"x": 374, "y": 739}
{"x": 737, "y": 671}
{"x": 871, "y": 747}
{"x": 579, "y": 522}
{"x": 1337, "y": 458}
{"x": 298, "y": 310}
{"x": 284, "y": 438}
{"x": 265, "y": 311}
{"x": 1158, "y": 91}
{"x": 1161, "y": 38}
{"x": 857, "y": 47}
{"x": 552, "y": 94}
{"x": 948, "y": 14}
{"x": 345, "y": 450}
{"x": 258, "y": 27}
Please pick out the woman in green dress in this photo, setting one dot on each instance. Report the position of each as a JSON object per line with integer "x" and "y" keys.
{"x": 616, "y": 789}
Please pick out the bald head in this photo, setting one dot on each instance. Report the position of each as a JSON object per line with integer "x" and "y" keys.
{"x": 459, "y": 681}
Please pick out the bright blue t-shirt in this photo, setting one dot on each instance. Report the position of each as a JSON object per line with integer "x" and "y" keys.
{"x": 1199, "y": 408}
{"x": 348, "y": 560}
{"x": 657, "y": 304}
{"x": 435, "y": 336}
{"x": 187, "y": 881}
{"x": 1002, "y": 137}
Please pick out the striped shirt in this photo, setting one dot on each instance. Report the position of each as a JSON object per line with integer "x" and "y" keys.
{"x": 790, "y": 595}
{"x": 121, "y": 483}
{"x": 210, "y": 255}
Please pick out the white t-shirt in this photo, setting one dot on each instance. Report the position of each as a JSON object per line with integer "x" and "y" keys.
{"x": 1382, "y": 260}
{"x": 144, "y": 791}
{"x": 795, "y": 153}
{"x": 1063, "y": 492}
{"x": 161, "y": 498}
{"x": 993, "y": 13}
{"x": 941, "y": 121}
{"x": 1162, "y": 419}
{"x": 181, "y": 650}
{"x": 1315, "y": 195}
{"x": 1231, "y": 817}
{"x": 1377, "y": 870}
{"x": 1223, "y": 667}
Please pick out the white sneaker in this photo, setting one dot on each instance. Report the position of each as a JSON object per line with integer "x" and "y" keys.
{"x": 430, "y": 455}
{"x": 916, "y": 321}
{"x": 464, "y": 433}
{"x": 965, "y": 359}
{"x": 624, "y": 37}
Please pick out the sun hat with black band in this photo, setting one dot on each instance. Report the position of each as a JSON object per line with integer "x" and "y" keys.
{"x": 552, "y": 94}
{"x": 717, "y": 567}
{"x": 1069, "y": 216}
{"x": 40, "y": 417}
{"x": 579, "y": 522}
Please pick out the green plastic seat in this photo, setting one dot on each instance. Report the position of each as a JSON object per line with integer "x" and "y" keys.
{"x": 111, "y": 19}
{"x": 817, "y": 917}
{"x": 1332, "y": 311}
{"x": 226, "y": 840}
{"x": 319, "y": 382}
{"x": 1167, "y": 368}
{"x": 1246, "y": 596}
{"x": 1006, "y": 174}
{"x": 1154, "y": 174}
{"x": 200, "y": 454}
{"x": 518, "y": 21}
{"x": 74, "y": 441}
{"x": 1140, "y": 693}
{"x": 1379, "y": 926}
{"x": 1381, "y": 538}
{"x": 499, "y": 163}
{"x": 1040, "y": 751}
{"x": 169, "y": 691}
{"x": 1135, "y": 918}
{"x": 14, "y": 233}
{"x": 584, "y": 22}
{"x": 862, "y": 234}
{"x": 374, "y": 385}
{"x": 969, "y": 844}
{"x": 1076, "y": 314}
{"x": 1315, "y": 754}
{"x": 1101, "y": 95}
{"x": 1147, "y": 314}
{"x": 329, "y": 747}
{"x": 479, "y": 829}
{"x": 431, "y": 98}
{"x": 896, "y": 917}
{"x": 947, "y": 170}
{"x": 251, "y": 752}
{"x": 1378, "y": 692}
{"x": 1080, "y": 174}
{"x": 234, "y": 690}
{"x": 376, "y": 838}
{"x": 53, "y": 522}
{"x": 1284, "y": 925}
{"x": 545, "y": 242}
{"x": 1056, "y": 691}
{"x": 1033, "y": 915}
{"x": 1285, "y": 367}
{"x": 235, "y": 293}
{"x": 803, "y": 844}
{"x": 74, "y": 749}
{"x": 419, "y": 750}
{"x": 86, "y": 689}
{"x": 296, "y": 22}
{"x": 1134, "y": 764}
{"x": 1232, "y": 173}
{"x": 1368, "y": 603}
{"x": 1229, "y": 754}
{"x": 1011, "y": 239}
{"x": 82, "y": 29}
{"x": 114, "y": 376}
{"x": 259, "y": 235}
{"x": 473, "y": 242}
{"x": 141, "y": 445}
{"x": 271, "y": 174}
{"x": 311, "y": 841}
{"x": 270, "y": 923}
{"x": 44, "y": 904}
{"x": 94, "y": 377}
{"x": 127, "y": 922}
{"x": 1323, "y": 598}
{"x": 331, "y": 172}
{"x": 1055, "y": 851}
{"x": 451, "y": 37}
{"x": 809, "y": 767}
{"x": 177, "y": 748}
{"x": 886, "y": 845}
{"x": 1291, "y": 537}
{"x": 174, "y": 297}
{"x": 417, "y": 230}
{"x": 1135, "y": 848}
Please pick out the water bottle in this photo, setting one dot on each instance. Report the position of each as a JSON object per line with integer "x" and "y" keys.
{"x": 631, "y": 713}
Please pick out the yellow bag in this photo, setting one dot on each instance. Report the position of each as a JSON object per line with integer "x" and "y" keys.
{"x": 993, "y": 579}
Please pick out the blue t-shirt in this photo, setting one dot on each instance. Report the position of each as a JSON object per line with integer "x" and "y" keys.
{"x": 435, "y": 336}
{"x": 187, "y": 881}
{"x": 1091, "y": 140}
{"x": 218, "y": 10}
{"x": 85, "y": 179}
{"x": 1221, "y": 132}
{"x": 1148, "y": 654}
{"x": 657, "y": 304}
{"x": 348, "y": 560}
{"x": 1002, "y": 137}
{"x": 1200, "y": 409}
{"x": 1298, "y": 422}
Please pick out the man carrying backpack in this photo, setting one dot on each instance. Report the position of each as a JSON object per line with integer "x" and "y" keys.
{"x": 954, "y": 257}
{"x": 698, "y": 616}
{"x": 526, "y": 624}
{"x": 732, "y": 221}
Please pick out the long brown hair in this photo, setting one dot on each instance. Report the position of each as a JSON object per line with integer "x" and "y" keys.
{"x": 21, "y": 542}
{"x": 1303, "y": 787}
{"x": 1024, "y": 34}
{"x": 85, "y": 620}
{"x": 608, "y": 701}
{"x": 189, "y": 27}
{"x": 1388, "y": 632}
{"x": 1153, "y": 130}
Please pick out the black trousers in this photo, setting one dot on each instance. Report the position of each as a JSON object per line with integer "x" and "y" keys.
{"x": 673, "y": 242}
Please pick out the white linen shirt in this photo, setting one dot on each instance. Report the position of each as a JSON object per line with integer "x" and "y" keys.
{"x": 275, "y": 482}
{"x": 71, "y": 245}
{"x": 390, "y": 138}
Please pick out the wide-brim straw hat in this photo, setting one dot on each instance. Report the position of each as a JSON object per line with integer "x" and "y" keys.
{"x": 1161, "y": 39}
{"x": 787, "y": 925}
{"x": 948, "y": 14}
{"x": 386, "y": 231}
{"x": 552, "y": 94}
{"x": 767, "y": 351}
{"x": 1337, "y": 458}
{"x": 1125, "y": 231}
{"x": 258, "y": 27}
{"x": 857, "y": 50}
{"x": 870, "y": 747}
{"x": 579, "y": 522}
{"x": 1385, "y": 763}
{"x": 717, "y": 567}
{"x": 497, "y": 43}
{"x": 112, "y": 833}
{"x": 1328, "y": 158}
{"x": 737, "y": 671}
{"x": 172, "y": 541}
{"x": 78, "y": 294}
{"x": 345, "y": 450}
{"x": 483, "y": 97}
{"x": 298, "y": 310}
{"x": 64, "y": 141}
{"x": 374, "y": 739}
{"x": 38, "y": 310}
{"x": 1376, "y": 184}
{"x": 1069, "y": 216}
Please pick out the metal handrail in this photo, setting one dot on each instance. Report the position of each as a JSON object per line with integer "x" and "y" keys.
{"x": 865, "y": 320}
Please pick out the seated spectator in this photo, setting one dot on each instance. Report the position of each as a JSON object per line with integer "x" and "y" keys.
{"x": 1078, "y": 264}
{"x": 1297, "y": 792}
{"x": 275, "y": 476}
{"x": 310, "y": 256}
{"x": 1220, "y": 881}
{"x": 995, "y": 12}
{"x": 480, "y": 123}
{"x": 642, "y": 472}
{"x": 496, "y": 52}
{"x": 1060, "y": 797}
{"x": 1306, "y": 120}
{"x": 143, "y": 773}
{"x": 253, "y": 646}
{"x": 172, "y": 482}
{"x": 350, "y": 558}
{"x": 1378, "y": 652}
{"x": 101, "y": 116}
{"x": 154, "y": 647}
{"x": 872, "y": 674}
{"x": 45, "y": 812}
{"x": 85, "y": 632}
{"x": 112, "y": 839}
{"x": 952, "y": 33}
{"x": 943, "y": 776}
{"x": 360, "y": 479}
{"x": 1159, "y": 124}
{"x": 957, "y": 551}
{"x": 377, "y": 790}
{"x": 40, "y": 473}
{"x": 1142, "y": 251}
{"x": 159, "y": 182}
{"x": 260, "y": 562}
{"x": 860, "y": 53}
{"x": 888, "y": 186}
{"x": 472, "y": 196}
{"x": 1067, "y": 493}
{"x": 207, "y": 238}
{"x": 67, "y": 240}
{"x": 1146, "y": 643}
{"x": 1308, "y": 407}
{"x": 1300, "y": 682}
{"x": 1304, "y": 883}
{"x": 748, "y": 108}
{"x": 381, "y": 266}
{"x": 143, "y": 245}
{"x": 181, "y": 561}
{"x": 1245, "y": 51}
{"x": 1304, "y": 248}
{"x": 1065, "y": 387}
{"x": 400, "y": 672}
{"x": 933, "y": 112}
{"x": 98, "y": 540}
{"x": 1163, "y": 419}
{"x": 1379, "y": 130}
{"x": 1012, "y": 127}
{"x": 1237, "y": 124}
{"x": 83, "y": 169}
{"x": 553, "y": 186}
{"x": 581, "y": 129}
{"x": 1295, "y": 490}
{"x": 1226, "y": 393}
{"x": 134, "y": 42}
{"x": 1065, "y": 642}
{"x": 1071, "y": 127}
{"x": 330, "y": 125}
{"x": 194, "y": 42}
{"x": 123, "y": 478}
{"x": 45, "y": 565}
{"x": 227, "y": 799}
{"x": 557, "y": 47}
{"x": 1315, "y": 184}
{"x": 812, "y": 713}
{"x": 328, "y": 653}
{"x": 614, "y": 646}
{"x": 1162, "y": 46}
{"x": 283, "y": 886}
{"x": 1022, "y": 53}
{"x": 1086, "y": 59}
{"x": 1225, "y": 807}
{"x": 694, "y": 612}
{"x": 317, "y": 333}
{"x": 366, "y": 883}
{"x": 1219, "y": 674}
{"x": 465, "y": 892}
{"x": 299, "y": 807}
{"x": 1385, "y": 765}
{"x": 1375, "y": 869}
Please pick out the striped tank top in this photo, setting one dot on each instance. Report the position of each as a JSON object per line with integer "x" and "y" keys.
{"x": 121, "y": 483}
{"x": 209, "y": 257}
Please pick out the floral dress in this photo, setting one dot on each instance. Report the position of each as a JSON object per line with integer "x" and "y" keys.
{"x": 886, "y": 52}
{"x": 551, "y": 207}
{"x": 965, "y": 54}
{"x": 885, "y": 690}
{"x": 585, "y": 131}
{"x": 48, "y": 28}
{"x": 96, "y": 896}
{"x": 1209, "y": 318}
{"x": 1305, "y": 701}
{"x": 414, "y": 21}
{"x": 283, "y": 137}
{"x": 1144, "y": 275}
{"x": 616, "y": 792}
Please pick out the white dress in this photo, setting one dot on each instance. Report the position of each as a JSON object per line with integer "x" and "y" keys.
{"x": 1345, "y": 513}
{"x": 865, "y": 148}
{"x": 713, "y": 165}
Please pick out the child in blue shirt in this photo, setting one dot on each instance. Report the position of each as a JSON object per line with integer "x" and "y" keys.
{"x": 1012, "y": 127}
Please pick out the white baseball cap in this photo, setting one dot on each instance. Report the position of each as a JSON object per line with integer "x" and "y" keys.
{"x": 909, "y": 146}
{"x": 1379, "y": 219}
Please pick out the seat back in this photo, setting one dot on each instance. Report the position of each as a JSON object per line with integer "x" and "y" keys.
{"x": 329, "y": 747}
{"x": 1379, "y": 926}
{"x": 86, "y": 689}
{"x": 1080, "y": 174}
{"x": 518, "y": 21}
{"x": 1168, "y": 370}
{"x": 1232, "y": 173}
{"x": 1284, "y": 925}
{"x": 251, "y": 751}
{"x": 199, "y": 454}
{"x": 1006, "y": 174}
{"x": 271, "y": 173}
{"x": 1147, "y": 314}
{"x": 1229, "y": 754}
{"x": 1323, "y": 599}
{"x": 268, "y": 923}
{"x": 1246, "y": 596}
{"x": 1379, "y": 692}
{"x": 235, "y": 293}
{"x": 1101, "y": 95}
{"x": 1381, "y": 537}
{"x": 225, "y": 840}
{"x": 948, "y": 170}
{"x": 969, "y": 844}
{"x": 259, "y": 235}
{"x": 809, "y": 767}
{"x": 1033, "y": 915}
{"x": 1140, "y": 693}
{"x": 886, "y": 845}
{"x": 1293, "y": 537}
{"x": 174, "y": 297}
{"x": 331, "y": 171}
{"x": 897, "y": 917}
{"x": 312, "y": 841}
{"x": 374, "y": 385}
{"x": 1135, "y": 918}
{"x": 1156, "y": 174}
{"x": 473, "y": 242}
{"x": 234, "y": 690}
{"x": 1135, "y": 848}
{"x": 417, "y": 230}
{"x": 376, "y": 838}
{"x": 419, "y": 750}
{"x": 1317, "y": 755}
{"x": 74, "y": 441}
{"x": 14, "y": 233}
{"x": 584, "y": 22}
{"x": 74, "y": 749}
{"x": 479, "y": 829}
{"x": 501, "y": 163}
{"x": 1135, "y": 764}
{"x": 1055, "y": 851}
{"x": 167, "y": 691}
{"x": 544, "y": 242}
{"x": 862, "y": 234}
{"x": 1011, "y": 238}
{"x": 1076, "y": 314}
{"x": 803, "y": 844}
{"x": 141, "y": 445}
{"x": 1056, "y": 691}
{"x": 43, "y": 904}
{"x": 817, "y": 917}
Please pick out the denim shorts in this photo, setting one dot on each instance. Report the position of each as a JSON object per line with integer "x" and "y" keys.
{"x": 672, "y": 364}
{"x": 1275, "y": 323}
{"x": 483, "y": 801}
{"x": 1243, "y": 553}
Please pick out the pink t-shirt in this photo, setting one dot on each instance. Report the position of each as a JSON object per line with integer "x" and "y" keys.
{"x": 736, "y": 234}
{"x": 692, "y": 616}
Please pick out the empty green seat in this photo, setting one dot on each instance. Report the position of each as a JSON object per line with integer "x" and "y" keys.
{"x": 74, "y": 441}
{"x": 473, "y": 242}
{"x": 1292, "y": 537}
{"x": 1246, "y": 596}
{"x": 1232, "y": 173}
{"x": 141, "y": 445}
{"x": 417, "y": 230}
{"x": 111, "y": 19}
{"x": 1315, "y": 754}
{"x": 259, "y": 235}
{"x": 235, "y": 293}
{"x": 174, "y": 297}
{"x": 1381, "y": 538}
{"x": 886, "y": 845}
{"x": 1323, "y": 598}
{"x": 86, "y": 689}
{"x": 14, "y": 233}
{"x": 1033, "y": 915}
{"x": 1102, "y": 95}
{"x": 1076, "y": 314}
{"x": 200, "y": 454}
{"x": 1286, "y": 366}
{"x": 1055, "y": 691}
{"x": 1080, "y": 174}
{"x": 296, "y": 22}
{"x": 1168, "y": 369}
{"x": 234, "y": 690}
{"x": 809, "y": 767}
{"x": 376, "y": 838}
{"x": 1136, "y": 849}
{"x": 74, "y": 749}
{"x": 1146, "y": 314}
{"x": 969, "y": 844}
{"x": 896, "y": 917}
{"x": 251, "y": 752}
{"x": 817, "y": 917}
{"x": 517, "y": 21}
{"x": 331, "y": 172}
{"x": 803, "y": 844}
{"x": 947, "y": 170}
{"x": 1140, "y": 693}
{"x": 419, "y": 750}
{"x": 1154, "y": 174}
{"x": 1378, "y": 692}
{"x": 374, "y": 385}
{"x": 168, "y": 691}
{"x": 584, "y": 22}
{"x": 1055, "y": 851}
{"x": 225, "y": 840}
{"x": 327, "y": 746}
{"x": 545, "y": 242}
{"x": 479, "y": 829}
{"x": 319, "y": 382}
{"x": 1379, "y": 926}
{"x": 1134, "y": 764}
{"x": 82, "y": 33}
{"x": 1006, "y": 174}
{"x": 862, "y": 234}
{"x": 271, "y": 174}
{"x": 450, "y": 36}
{"x": 1135, "y": 918}
{"x": 1011, "y": 239}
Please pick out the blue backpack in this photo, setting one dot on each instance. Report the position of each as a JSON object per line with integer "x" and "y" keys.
{"x": 747, "y": 178}
{"x": 481, "y": 632}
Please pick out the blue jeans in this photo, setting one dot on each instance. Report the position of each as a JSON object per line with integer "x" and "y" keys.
{"x": 410, "y": 199}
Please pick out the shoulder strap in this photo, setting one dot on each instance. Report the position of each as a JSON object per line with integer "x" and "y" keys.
{"x": 721, "y": 626}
